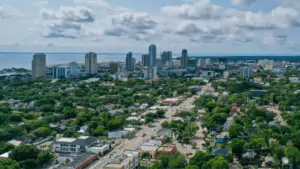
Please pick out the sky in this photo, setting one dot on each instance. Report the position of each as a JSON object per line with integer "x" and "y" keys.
{"x": 200, "y": 26}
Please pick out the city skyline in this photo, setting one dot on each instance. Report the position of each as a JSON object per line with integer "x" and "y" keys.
{"x": 91, "y": 25}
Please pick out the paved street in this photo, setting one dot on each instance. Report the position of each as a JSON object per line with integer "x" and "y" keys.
{"x": 149, "y": 131}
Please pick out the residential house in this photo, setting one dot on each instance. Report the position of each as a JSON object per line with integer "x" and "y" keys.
{"x": 222, "y": 137}
{"x": 219, "y": 151}
{"x": 119, "y": 134}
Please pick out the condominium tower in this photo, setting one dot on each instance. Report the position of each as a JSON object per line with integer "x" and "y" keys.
{"x": 91, "y": 63}
{"x": 39, "y": 65}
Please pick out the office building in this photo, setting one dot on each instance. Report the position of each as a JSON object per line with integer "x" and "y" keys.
{"x": 129, "y": 65}
{"x": 176, "y": 64}
{"x": 150, "y": 73}
{"x": 166, "y": 56}
{"x": 60, "y": 72}
{"x": 152, "y": 55}
{"x": 133, "y": 63}
{"x": 91, "y": 63}
{"x": 73, "y": 68}
{"x": 246, "y": 72}
{"x": 145, "y": 60}
{"x": 39, "y": 65}
{"x": 114, "y": 67}
{"x": 184, "y": 59}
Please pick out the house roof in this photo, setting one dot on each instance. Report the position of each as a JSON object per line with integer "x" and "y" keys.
{"x": 220, "y": 151}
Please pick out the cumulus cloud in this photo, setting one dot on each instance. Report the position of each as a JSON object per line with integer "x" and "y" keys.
{"x": 68, "y": 13}
{"x": 276, "y": 38}
{"x": 134, "y": 25}
{"x": 243, "y": 2}
{"x": 61, "y": 29}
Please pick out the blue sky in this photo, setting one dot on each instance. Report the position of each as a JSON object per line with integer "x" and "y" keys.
{"x": 201, "y": 26}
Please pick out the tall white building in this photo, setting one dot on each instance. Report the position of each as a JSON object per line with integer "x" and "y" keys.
{"x": 60, "y": 72}
{"x": 152, "y": 55}
{"x": 39, "y": 65}
{"x": 73, "y": 68}
{"x": 91, "y": 63}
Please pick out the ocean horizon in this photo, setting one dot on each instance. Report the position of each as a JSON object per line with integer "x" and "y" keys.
{"x": 24, "y": 59}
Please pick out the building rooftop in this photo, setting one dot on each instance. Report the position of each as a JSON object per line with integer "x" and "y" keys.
{"x": 83, "y": 140}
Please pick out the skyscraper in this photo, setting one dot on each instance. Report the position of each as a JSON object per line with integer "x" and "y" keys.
{"x": 91, "y": 63}
{"x": 166, "y": 56}
{"x": 152, "y": 55}
{"x": 133, "y": 63}
{"x": 114, "y": 67}
{"x": 60, "y": 72}
{"x": 129, "y": 58}
{"x": 145, "y": 60}
{"x": 184, "y": 59}
{"x": 39, "y": 65}
{"x": 73, "y": 68}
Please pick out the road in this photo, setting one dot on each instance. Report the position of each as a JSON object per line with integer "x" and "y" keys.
{"x": 149, "y": 131}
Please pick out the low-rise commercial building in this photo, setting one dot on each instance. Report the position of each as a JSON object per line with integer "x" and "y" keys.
{"x": 74, "y": 145}
{"x": 128, "y": 159}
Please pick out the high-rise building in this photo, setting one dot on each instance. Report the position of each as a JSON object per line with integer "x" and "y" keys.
{"x": 60, "y": 72}
{"x": 39, "y": 65}
{"x": 133, "y": 63}
{"x": 246, "y": 72}
{"x": 152, "y": 55}
{"x": 150, "y": 73}
{"x": 114, "y": 67}
{"x": 145, "y": 60}
{"x": 184, "y": 59}
{"x": 129, "y": 58}
{"x": 166, "y": 56}
{"x": 91, "y": 63}
{"x": 73, "y": 68}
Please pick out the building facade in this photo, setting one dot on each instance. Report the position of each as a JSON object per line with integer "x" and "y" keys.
{"x": 129, "y": 66}
{"x": 166, "y": 56}
{"x": 128, "y": 159}
{"x": 184, "y": 59}
{"x": 60, "y": 72}
{"x": 150, "y": 73}
{"x": 91, "y": 63}
{"x": 246, "y": 72}
{"x": 74, "y": 145}
{"x": 73, "y": 68}
{"x": 145, "y": 60}
{"x": 114, "y": 67}
{"x": 39, "y": 65}
{"x": 152, "y": 55}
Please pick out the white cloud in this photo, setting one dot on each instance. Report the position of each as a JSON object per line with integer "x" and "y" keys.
{"x": 68, "y": 13}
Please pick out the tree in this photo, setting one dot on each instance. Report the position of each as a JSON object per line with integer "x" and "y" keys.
{"x": 128, "y": 102}
{"x": 99, "y": 131}
{"x": 42, "y": 132}
{"x": 146, "y": 155}
{"x": 199, "y": 159}
{"x": 5, "y": 147}
{"x": 24, "y": 152}
{"x": 160, "y": 113}
{"x": 7, "y": 163}
{"x": 293, "y": 154}
{"x": 237, "y": 146}
{"x": 194, "y": 145}
{"x": 191, "y": 167}
{"x": 29, "y": 164}
{"x": 217, "y": 162}
{"x": 44, "y": 156}
{"x": 16, "y": 117}
{"x": 177, "y": 161}
{"x": 235, "y": 130}
{"x": 164, "y": 159}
